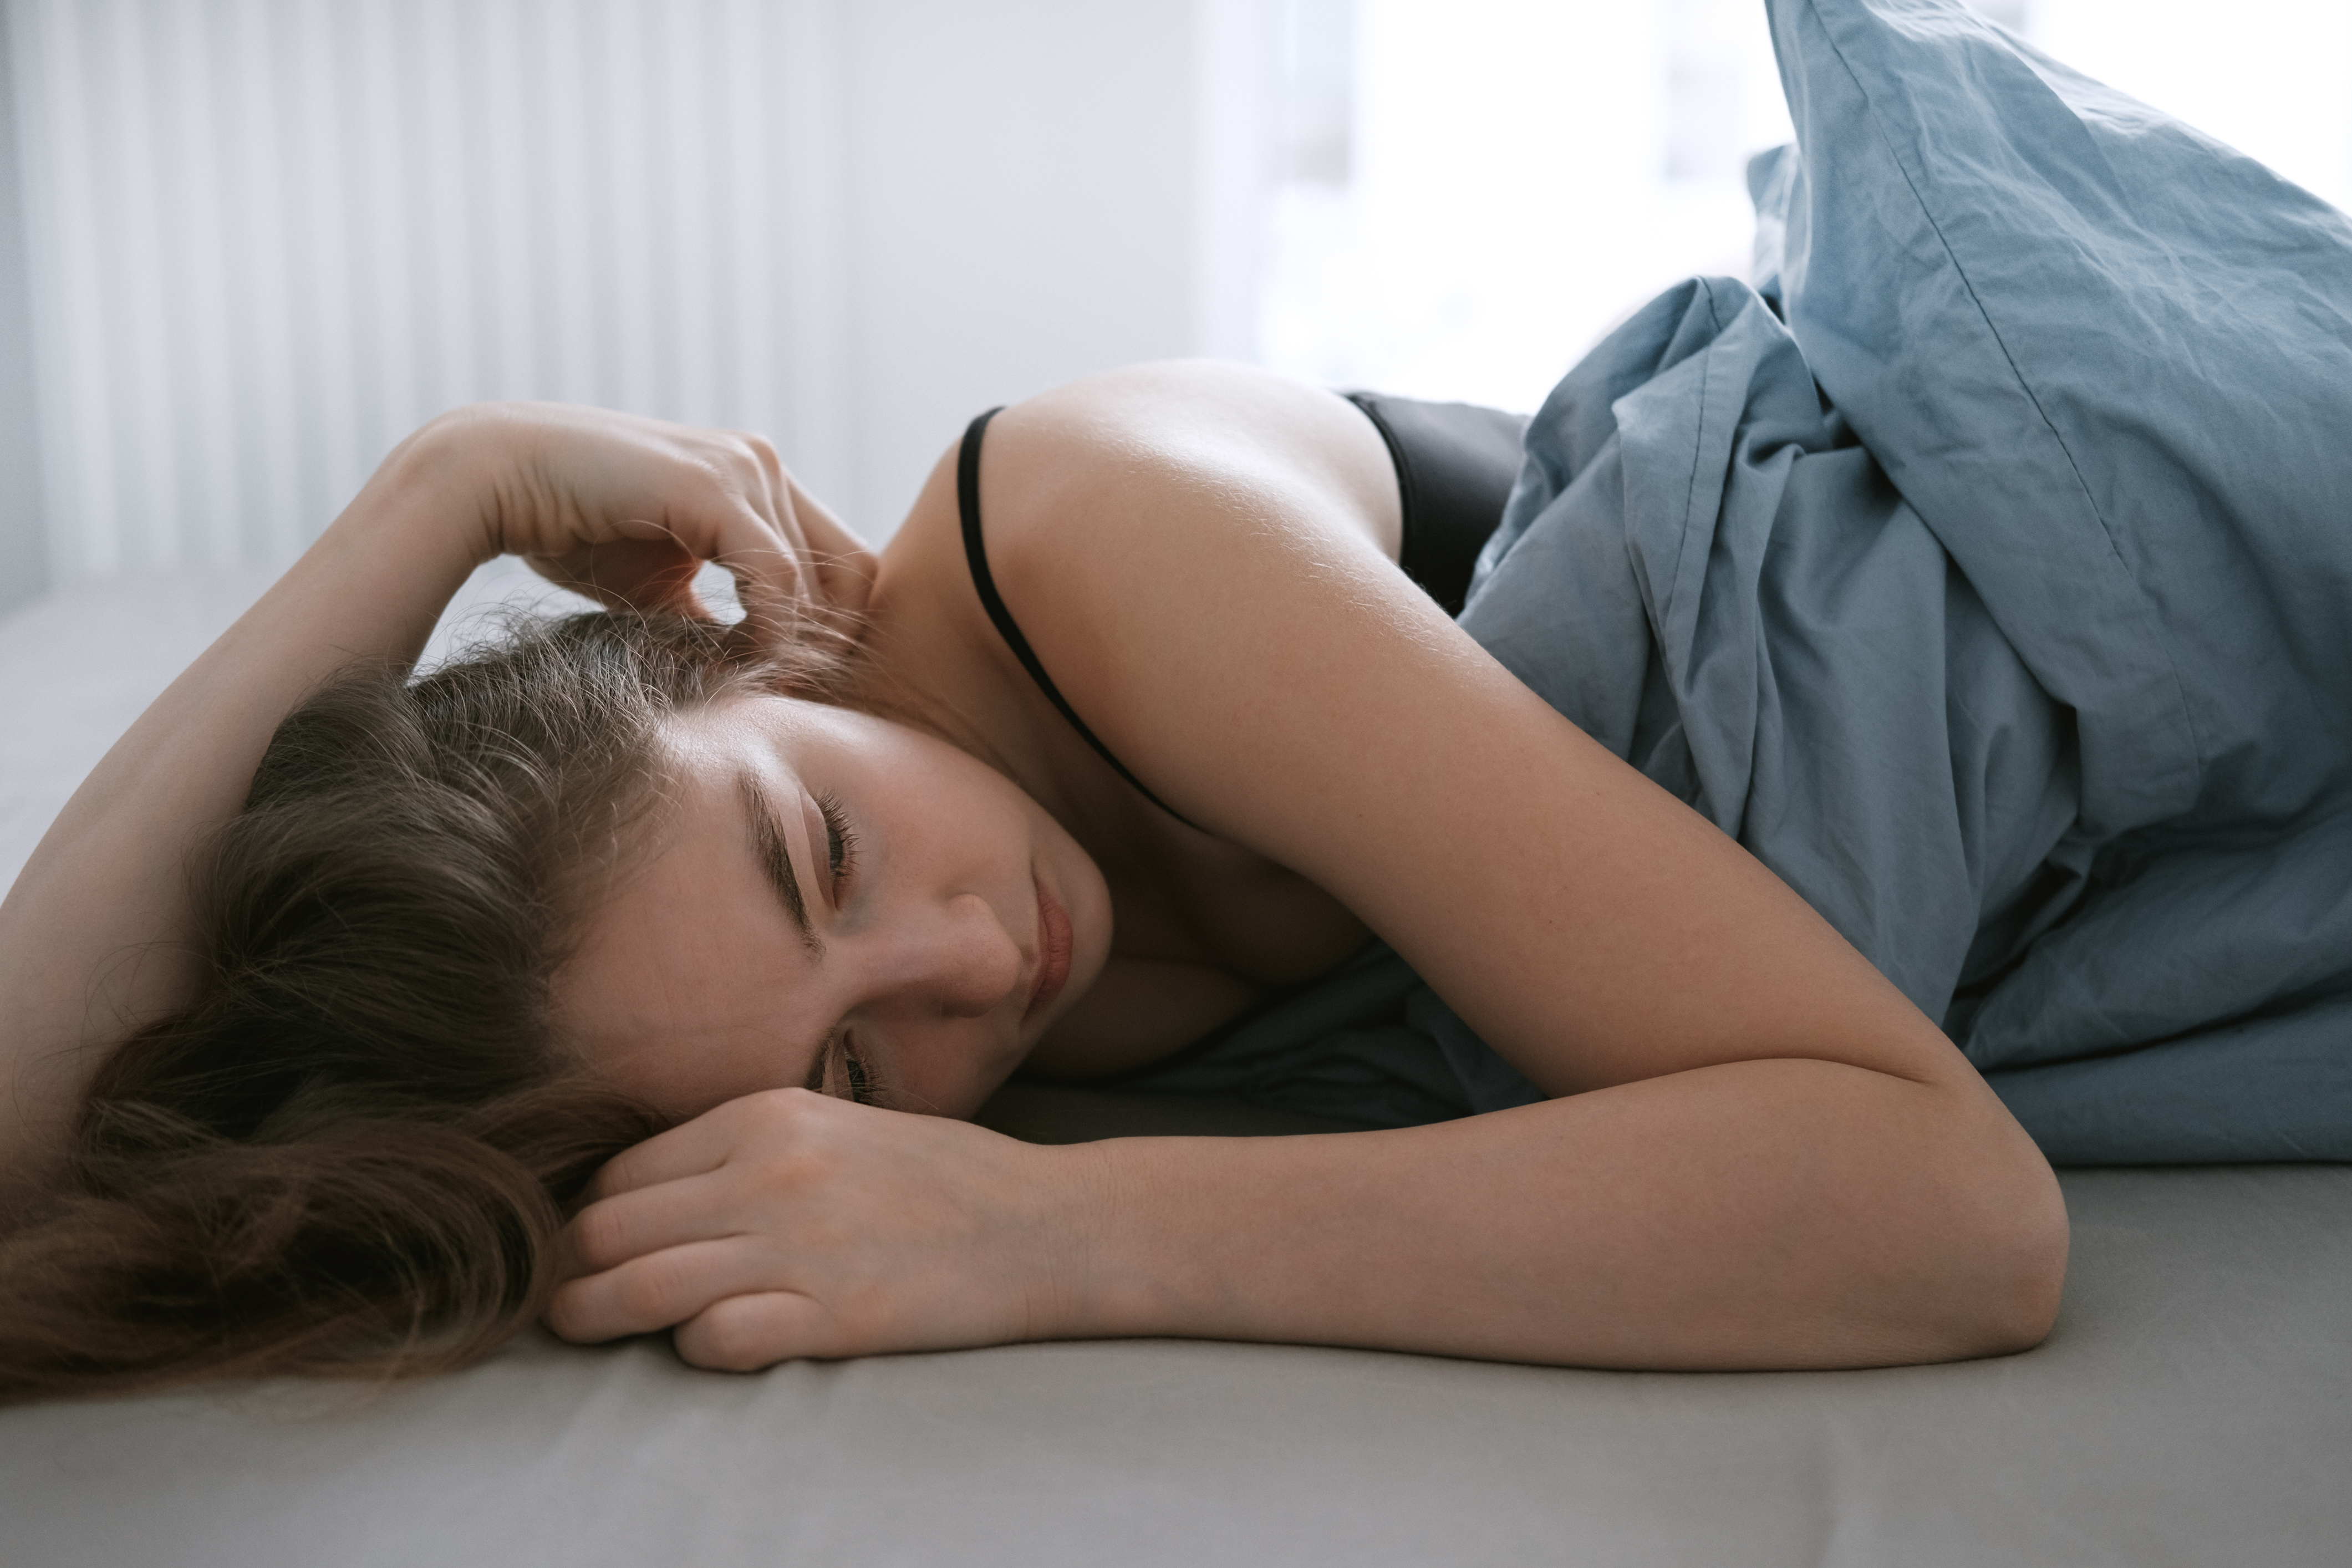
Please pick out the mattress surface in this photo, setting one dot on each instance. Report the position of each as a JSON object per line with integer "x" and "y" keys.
{"x": 2194, "y": 1405}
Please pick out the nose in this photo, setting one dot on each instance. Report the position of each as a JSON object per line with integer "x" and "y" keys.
{"x": 955, "y": 958}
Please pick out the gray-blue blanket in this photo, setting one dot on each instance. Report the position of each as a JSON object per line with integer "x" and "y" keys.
{"x": 1985, "y": 569}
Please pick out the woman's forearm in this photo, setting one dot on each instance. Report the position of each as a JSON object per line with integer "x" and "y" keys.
{"x": 94, "y": 932}
{"x": 1767, "y": 1214}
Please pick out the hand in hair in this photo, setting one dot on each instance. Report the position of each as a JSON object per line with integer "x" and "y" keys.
{"x": 628, "y": 510}
{"x": 98, "y": 936}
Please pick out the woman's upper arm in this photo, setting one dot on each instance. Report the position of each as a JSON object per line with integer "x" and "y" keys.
{"x": 1192, "y": 560}
{"x": 95, "y": 934}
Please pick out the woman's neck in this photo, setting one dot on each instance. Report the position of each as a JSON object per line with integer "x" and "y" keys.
{"x": 930, "y": 659}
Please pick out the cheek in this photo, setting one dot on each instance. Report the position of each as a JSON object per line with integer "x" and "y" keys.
{"x": 953, "y": 820}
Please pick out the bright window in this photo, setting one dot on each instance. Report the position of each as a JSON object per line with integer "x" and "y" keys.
{"x": 1474, "y": 190}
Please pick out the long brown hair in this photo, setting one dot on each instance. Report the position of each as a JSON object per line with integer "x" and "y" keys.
{"x": 348, "y": 1155}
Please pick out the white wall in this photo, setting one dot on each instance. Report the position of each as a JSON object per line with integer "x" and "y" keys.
{"x": 1019, "y": 206}
{"x": 24, "y": 551}
{"x": 263, "y": 239}
{"x": 267, "y": 238}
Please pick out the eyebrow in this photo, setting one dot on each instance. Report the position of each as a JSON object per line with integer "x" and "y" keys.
{"x": 775, "y": 860}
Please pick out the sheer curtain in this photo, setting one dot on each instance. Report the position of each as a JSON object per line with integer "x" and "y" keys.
{"x": 265, "y": 238}
{"x": 261, "y": 239}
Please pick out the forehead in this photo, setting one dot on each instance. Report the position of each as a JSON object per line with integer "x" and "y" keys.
{"x": 759, "y": 726}
{"x": 714, "y": 733}
{"x": 685, "y": 970}
{"x": 709, "y": 753}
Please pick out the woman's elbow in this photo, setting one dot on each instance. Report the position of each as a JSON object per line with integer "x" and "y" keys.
{"x": 2034, "y": 1281}
{"x": 2009, "y": 1253}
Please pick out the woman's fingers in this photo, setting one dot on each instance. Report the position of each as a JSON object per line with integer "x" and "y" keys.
{"x": 824, "y": 569}
{"x": 774, "y": 581}
{"x": 844, "y": 564}
{"x": 645, "y": 575}
{"x": 626, "y": 509}
{"x": 844, "y": 1228}
{"x": 799, "y": 578}
{"x": 700, "y": 1289}
{"x": 744, "y": 1333}
{"x": 690, "y": 1149}
{"x": 701, "y": 1179}
{"x": 609, "y": 1233}
{"x": 655, "y": 1291}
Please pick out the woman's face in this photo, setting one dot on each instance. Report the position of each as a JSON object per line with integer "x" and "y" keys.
{"x": 837, "y": 901}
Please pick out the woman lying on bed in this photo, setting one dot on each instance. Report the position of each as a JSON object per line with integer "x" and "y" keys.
{"x": 805, "y": 893}
{"x": 1949, "y": 642}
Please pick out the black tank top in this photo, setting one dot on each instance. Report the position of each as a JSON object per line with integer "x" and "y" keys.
{"x": 1455, "y": 465}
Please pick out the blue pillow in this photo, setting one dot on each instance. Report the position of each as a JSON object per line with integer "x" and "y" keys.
{"x": 2041, "y": 694}
{"x": 2109, "y": 361}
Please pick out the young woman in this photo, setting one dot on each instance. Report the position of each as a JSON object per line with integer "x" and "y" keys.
{"x": 1970, "y": 595}
{"x": 1143, "y": 728}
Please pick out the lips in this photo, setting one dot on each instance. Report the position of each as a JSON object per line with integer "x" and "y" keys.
{"x": 1054, "y": 945}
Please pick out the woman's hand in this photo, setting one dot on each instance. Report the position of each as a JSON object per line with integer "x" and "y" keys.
{"x": 626, "y": 509}
{"x": 790, "y": 1224}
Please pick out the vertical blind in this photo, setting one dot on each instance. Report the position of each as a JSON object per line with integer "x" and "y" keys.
{"x": 265, "y": 238}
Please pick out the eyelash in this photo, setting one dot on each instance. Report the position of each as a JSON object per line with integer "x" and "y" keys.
{"x": 854, "y": 1069}
{"x": 840, "y": 859}
{"x": 840, "y": 1065}
{"x": 841, "y": 842}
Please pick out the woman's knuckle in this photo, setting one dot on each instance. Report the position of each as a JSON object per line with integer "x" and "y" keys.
{"x": 783, "y": 1111}
{"x": 647, "y": 1290}
{"x": 750, "y": 443}
{"x": 736, "y": 1336}
{"x": 785, "y": 1174}
{"x": 597, "y": 1237}
{"x": 568, "y": 1314}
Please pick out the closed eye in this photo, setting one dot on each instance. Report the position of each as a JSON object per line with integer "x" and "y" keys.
{"x": 853, "y": 1067}
{"x": 856, "y": 1074}
{"x": 775, "y": 860}
{"x": 840, "y": 840}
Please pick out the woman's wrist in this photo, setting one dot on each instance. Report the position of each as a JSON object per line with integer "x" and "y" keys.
{"x": 1126, "y": 1263}
{"x": 440, "y": 486}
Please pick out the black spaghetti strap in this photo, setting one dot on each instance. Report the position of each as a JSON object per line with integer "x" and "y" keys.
{"x": 975, "y": 554}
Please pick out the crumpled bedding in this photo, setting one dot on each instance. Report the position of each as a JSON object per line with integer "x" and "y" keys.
{"x": 1985, "y": 569}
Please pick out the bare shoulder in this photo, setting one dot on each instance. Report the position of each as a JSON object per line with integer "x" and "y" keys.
{"x": 1179, "y": 434}
{"x": 1205, "y": 557}
{"x": 1143, "y": 468}
{"x": 1170, "y": 536}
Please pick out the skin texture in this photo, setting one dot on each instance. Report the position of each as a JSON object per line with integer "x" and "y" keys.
{"x": 923, "y": 954}
{"x": 1760, "y": 1155}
